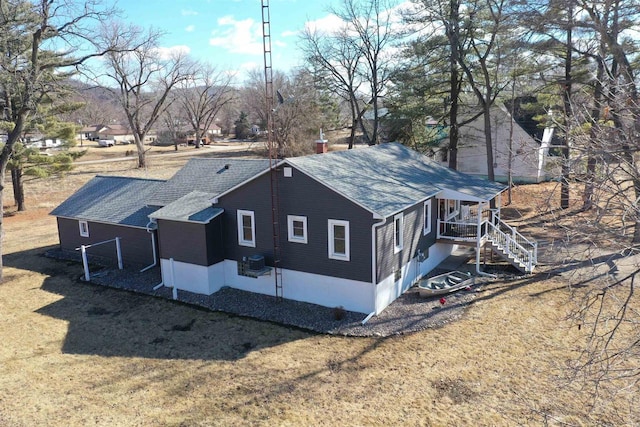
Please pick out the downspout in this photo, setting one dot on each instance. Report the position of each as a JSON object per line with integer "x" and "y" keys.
{"x": 153, "y": 247}
{"x": 374, "y": 264}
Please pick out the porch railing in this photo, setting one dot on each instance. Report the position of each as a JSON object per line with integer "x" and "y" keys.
{"x": 489, "y": 226}
{"x": 514, "y": 244}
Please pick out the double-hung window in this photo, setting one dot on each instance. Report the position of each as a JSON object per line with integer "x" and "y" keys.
{"x": 84, "y": 228}
{"x": 339, "y": 239}
{"x": 246, "y": 229}
{"x": 398, "y": 232}
{"x": 297, "y": 228}
{"x": 427, "y": 218}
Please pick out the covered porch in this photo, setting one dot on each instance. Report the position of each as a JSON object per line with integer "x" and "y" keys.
{"x": 467, "y": 220}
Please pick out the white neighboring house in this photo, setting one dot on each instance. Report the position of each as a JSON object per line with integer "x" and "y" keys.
{"x": 119, "y": 134}
{"x": 530, "y": 160}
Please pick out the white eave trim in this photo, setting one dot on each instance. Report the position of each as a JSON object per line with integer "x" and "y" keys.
{"x": 95, "y": 221}
{"x": 457, "y": 195}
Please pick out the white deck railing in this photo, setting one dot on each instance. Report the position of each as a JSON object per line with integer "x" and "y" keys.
{"x": 505, "y": 237}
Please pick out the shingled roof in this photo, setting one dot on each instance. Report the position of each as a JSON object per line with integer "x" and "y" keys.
{"x": 111, "y": 199}
{"x": 194, "y": 207}
{"x": 388, "y": 178}
{"x": 213, "y": 176}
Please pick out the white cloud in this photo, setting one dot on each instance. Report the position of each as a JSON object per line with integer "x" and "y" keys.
{"x": 190, "y": 28}
{"x": 290, "y": 33}
{"x": 327, "y": 24}
{"x": 243, "y": 36}
{"x": 171, "y": 51}
{"x": 188, "y": 12}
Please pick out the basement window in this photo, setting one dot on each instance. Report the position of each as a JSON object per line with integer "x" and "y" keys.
{"x": 84, "y": 228}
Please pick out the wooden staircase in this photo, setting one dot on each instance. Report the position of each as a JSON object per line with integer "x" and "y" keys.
{"x": 512, "y": 246}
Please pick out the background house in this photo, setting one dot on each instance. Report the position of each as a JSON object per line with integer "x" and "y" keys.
{"x": 529, "y": 146}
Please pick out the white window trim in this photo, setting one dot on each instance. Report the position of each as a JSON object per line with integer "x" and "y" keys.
{"x": 84, "y": 228}
{"x": 288, "y": 172}
{"x": 293, "y": 238}
{"x": 398, "y": 245}
{"x": 241, "y": 240}
{"x": 332, "y": 252}
{"x": 426, "y": 226}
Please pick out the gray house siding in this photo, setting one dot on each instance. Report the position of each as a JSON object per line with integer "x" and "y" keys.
{"x": 135, "y": 243}
{"x": 413, "y": 240}
{"x": 303, "y": 196}
{"x": 192, "y": 243}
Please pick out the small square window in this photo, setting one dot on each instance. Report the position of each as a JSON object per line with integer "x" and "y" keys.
{"x": 297, "y": 228}
{"x": 288, "y": 172}
{"x": 84, "y": 228}
{"x": 246, "y": 229}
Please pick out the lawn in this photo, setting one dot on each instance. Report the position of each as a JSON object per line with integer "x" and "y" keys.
{"x": 77, "y": 354}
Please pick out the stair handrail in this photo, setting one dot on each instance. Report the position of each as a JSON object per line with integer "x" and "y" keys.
{"x": 513, "y": 247}
{"x": 517, "y": 236}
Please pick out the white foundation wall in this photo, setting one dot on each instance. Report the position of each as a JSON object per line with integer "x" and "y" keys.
{"x": 388, "y": 289}
{"x": 307, "y": 287}
{"x": 193, "y": 278}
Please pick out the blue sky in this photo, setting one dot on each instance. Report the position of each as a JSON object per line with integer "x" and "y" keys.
{"x": 228, "y": 33}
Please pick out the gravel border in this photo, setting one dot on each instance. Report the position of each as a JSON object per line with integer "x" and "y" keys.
{"x": 409, "y": 313}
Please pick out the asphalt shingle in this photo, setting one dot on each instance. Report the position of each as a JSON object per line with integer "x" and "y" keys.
{"x": 194, "y": 207}
{"x": 111, "y": 199}
{"x": 390, "y": 177}
{"x": 213, "y": 176}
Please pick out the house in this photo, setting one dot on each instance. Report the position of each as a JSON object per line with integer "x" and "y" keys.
{"x": 355, "y": 228}
{"x": 514, "y": 148}
{"x": 105, "y": 208}
{"x": 112, "y": 132}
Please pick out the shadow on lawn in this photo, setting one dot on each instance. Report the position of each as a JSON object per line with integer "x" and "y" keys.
{"x": 116, "y": 323}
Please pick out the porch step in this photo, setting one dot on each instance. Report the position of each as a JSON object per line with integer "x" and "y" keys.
{"x": 511, "y": 258}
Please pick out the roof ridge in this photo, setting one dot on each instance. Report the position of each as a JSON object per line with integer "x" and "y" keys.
{"x": 129, "y": 178}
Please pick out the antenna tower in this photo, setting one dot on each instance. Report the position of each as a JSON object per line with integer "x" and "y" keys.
{"x": 272, "y": 146}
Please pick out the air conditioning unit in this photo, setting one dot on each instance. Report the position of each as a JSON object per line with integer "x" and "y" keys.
{"x": 256, "y": 263}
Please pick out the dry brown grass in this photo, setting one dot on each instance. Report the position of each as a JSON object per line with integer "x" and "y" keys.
{"x": 77, "y": 354}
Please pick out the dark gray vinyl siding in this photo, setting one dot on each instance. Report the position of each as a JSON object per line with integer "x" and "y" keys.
{"x": 303, "y": 196}
{"x": 135, "y": 243}
{"x": 414, "y": 240}
{"x": 192, "y": 243}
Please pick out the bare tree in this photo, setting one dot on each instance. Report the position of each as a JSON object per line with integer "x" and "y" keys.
{"x": 335, "y": 60}
{"x": 144, "y": 76}
{"x": 203, "y": 95}
{"x": 29, "y": 71}
{"x": 297, "y": 116}
{"x": 371, "y": 26}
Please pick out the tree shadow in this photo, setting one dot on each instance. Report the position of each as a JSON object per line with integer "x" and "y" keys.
{"x": 116, "y": 323}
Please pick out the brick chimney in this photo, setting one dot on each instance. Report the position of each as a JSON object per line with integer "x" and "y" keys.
{"x": 321, "y": 144}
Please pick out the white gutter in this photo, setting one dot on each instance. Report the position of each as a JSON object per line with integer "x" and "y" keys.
{"x": 374, "y": 263}
{"x": 153, "y": 248}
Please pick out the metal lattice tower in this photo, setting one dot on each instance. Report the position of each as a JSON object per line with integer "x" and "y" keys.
{"x": 272, "y": 146}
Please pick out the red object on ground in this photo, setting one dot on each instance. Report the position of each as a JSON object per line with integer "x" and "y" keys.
{"x": 442, "y": 300}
